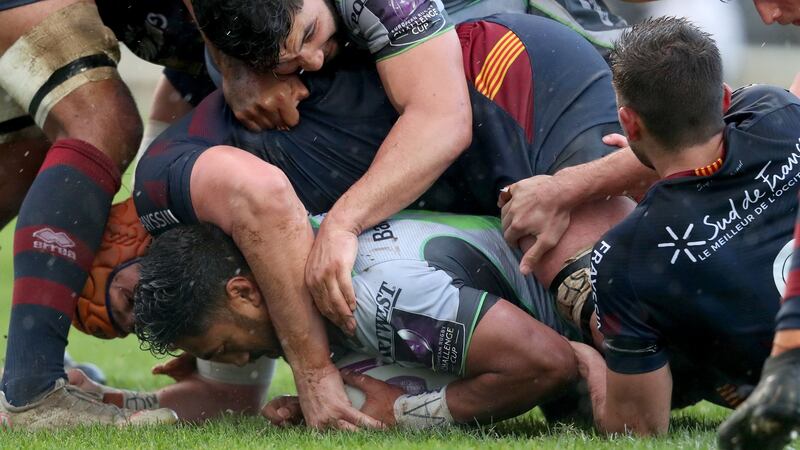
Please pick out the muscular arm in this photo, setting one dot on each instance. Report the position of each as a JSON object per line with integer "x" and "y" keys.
{"x": 254, "y": 203}
{"x": 427, "y": 87}
{"x": 637, "y": 403}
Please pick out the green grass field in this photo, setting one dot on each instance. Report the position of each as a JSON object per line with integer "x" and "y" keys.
{"x": 127, "y": 366}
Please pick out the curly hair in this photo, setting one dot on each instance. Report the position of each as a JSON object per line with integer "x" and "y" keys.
{"x": 253, "y": 31}
{"x": 182, "y": 285}
{"x": 670, "y": 72}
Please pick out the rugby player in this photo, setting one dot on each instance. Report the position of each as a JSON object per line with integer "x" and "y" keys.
{"x": 433, "y": 295}
{"x": 771, "y": 413}
{"x": 687, "y": 286}
{"x": 68, "y": 128}
{"x": 183, "y": 178}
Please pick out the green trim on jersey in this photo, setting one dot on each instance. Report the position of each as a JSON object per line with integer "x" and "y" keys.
{"x": 392, "y": 55}
{"x": 458, "y": 221}
{"x": 578, "y": 29}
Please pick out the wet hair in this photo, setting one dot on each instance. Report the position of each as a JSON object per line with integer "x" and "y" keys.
{"x": 182, "y": 284}
{"x": 253, "y": 31}
{"x": 670, "y": 72}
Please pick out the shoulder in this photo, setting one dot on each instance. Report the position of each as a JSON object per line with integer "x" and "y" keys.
{"x": 389, "y": 27}
{"x": 753, "y": 105}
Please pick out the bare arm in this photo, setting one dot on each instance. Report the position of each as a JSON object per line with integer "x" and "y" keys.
{"x": 255, "y": 204}
{"x": 636, "y": 403}
{"x": 427, "y": 87}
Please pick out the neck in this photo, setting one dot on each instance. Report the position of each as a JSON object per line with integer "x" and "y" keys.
{"x": 670, "y": 162}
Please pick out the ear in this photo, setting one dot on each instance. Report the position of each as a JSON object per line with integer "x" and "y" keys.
{"x": 726, "y": 97}
{"x": 243, "y": 291}
{"x": 631, "y": 124}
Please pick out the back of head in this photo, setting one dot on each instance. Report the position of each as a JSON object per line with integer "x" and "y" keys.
{"x": 253, "y": 31}
{"x": 182, "y": 284}
{"x": 670, "y": 72}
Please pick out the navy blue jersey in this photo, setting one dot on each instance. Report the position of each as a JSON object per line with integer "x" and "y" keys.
{"x": 694, "y": 275}
{"x": 517, "y": 132}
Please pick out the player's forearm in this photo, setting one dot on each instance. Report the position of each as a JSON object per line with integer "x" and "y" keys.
{"x": 619, "y": 173}
{"x": 276, "y": 243}
{"x": 419, "y": 148}
{"x": 196, "y": 400}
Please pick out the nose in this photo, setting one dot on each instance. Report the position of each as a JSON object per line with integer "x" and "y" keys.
{"x": 313, "y": 60}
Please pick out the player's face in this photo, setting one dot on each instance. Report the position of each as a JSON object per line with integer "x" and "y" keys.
{"x": 312, "y": 39}
{"x": 120, "y": 293}
{"x": 782, "y": 11}
{"x": 233, "y": 338}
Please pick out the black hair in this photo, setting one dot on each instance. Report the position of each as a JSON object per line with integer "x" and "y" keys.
{"x": 670, "y": 72}
{"x": 182, "y": 284}
{"x": 253, "y": 31}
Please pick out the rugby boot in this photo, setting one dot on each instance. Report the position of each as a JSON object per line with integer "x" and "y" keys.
{"x": 572, "y": 288}
{"x": 770, "y": 417}
{"x": 67, "y": 406}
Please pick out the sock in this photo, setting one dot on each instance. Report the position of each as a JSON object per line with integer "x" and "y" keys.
{"x": 58, "y": 232}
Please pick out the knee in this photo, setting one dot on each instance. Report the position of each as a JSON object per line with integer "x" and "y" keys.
{"x": 103, "y": 114}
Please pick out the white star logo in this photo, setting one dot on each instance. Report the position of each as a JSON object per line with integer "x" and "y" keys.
{"x": 685, "y": 244}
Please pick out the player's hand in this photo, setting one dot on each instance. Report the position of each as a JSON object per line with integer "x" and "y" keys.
{"x": 379, "y": 396}
{"x": 263, "y": 100}
{"x": 283, "y": 411}
{"x": 79, "y": 379}
{"x": 592, "y": 368}
{"x": 328, "y": 276}
{"x": 178, "y": 368}
{"x": 534, "y": 208}
{"x": 325, "y": 404}
{"x": 616, "y": 140}
{"x": 771, "y": 414}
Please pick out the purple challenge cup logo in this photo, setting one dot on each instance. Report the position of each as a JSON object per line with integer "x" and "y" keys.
{"x": 403, "y": 7}
{"x": 416, "y": 343}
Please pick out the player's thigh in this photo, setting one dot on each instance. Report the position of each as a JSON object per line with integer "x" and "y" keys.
{"x": 62, "y": 70}
{"x": 508, "y": 340}
{"x": 18, "y": 20}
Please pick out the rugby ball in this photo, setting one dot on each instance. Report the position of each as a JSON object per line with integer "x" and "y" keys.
{"x": 413, "y": 380}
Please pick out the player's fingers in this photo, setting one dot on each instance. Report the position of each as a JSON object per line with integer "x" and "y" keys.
{"x": 362, "y": 420}
{"x": 346, "y": 285}
{"x": 290, "y": 116}
{"x": 542, "y": 245}
{"x": 616, "y": 140}
{"x": 342, "y": 424}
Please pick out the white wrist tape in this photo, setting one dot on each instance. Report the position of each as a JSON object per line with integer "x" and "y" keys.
{"x": 426, "y": 410}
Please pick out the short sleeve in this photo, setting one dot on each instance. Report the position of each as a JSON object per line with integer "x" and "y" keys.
{"x": 632, "y": 344}
{"x": 390, "y": 27}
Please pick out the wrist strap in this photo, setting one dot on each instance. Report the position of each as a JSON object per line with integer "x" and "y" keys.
{"x": 421, "y": 411}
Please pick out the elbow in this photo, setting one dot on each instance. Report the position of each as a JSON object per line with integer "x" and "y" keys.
{"x": 457, "y": 135}
{"x": 257, "y": 192}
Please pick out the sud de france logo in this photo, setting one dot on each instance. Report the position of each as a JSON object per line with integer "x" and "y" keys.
{"x": 681, "y": 244}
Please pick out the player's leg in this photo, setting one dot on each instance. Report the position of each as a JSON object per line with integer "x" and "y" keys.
{"x": 514, "y": 363}
{"x": 772, "y": 412}
{"x": 22, "y": 149}
{"x": 59, "y": 62}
